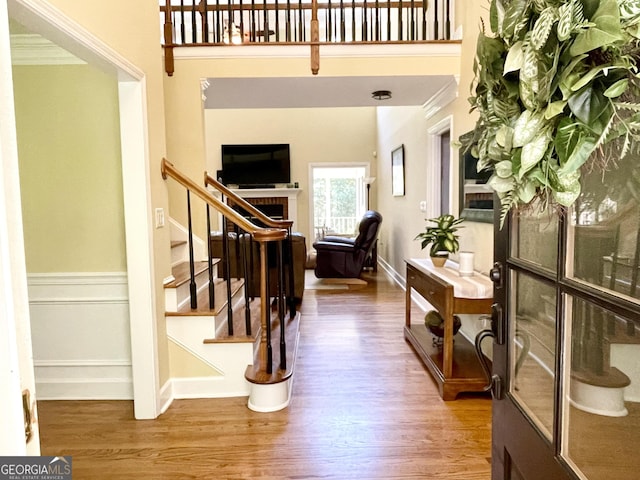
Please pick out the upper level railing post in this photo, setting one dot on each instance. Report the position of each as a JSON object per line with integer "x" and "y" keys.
{"x": 169, "y": 65}
{"x": 315, "y": 38}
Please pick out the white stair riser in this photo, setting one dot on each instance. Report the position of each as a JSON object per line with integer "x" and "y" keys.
{"x": 176, "y": 298}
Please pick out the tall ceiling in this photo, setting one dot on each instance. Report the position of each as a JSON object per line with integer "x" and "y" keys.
{"x": 311, "y": 92}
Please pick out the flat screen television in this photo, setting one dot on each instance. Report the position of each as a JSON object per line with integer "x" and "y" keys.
{"x": 256, "y": 165}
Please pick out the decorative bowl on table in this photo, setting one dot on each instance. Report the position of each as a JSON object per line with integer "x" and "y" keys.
{"x": 435, "y": 323}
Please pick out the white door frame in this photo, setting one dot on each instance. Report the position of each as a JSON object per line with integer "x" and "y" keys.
{"x": 16, "y": 362}
{"x": 434, "y": 182}
{"x": 43, "y": 18}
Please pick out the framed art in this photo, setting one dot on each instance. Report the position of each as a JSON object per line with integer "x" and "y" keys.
{"x": 397, "y": 171}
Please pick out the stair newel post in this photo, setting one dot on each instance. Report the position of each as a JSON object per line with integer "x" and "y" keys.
{"x": 192, "y": 277}
{"x": 248, "y": 245}
{"x": 212, "y": 289}
{"x": 291, "y": 297}
{"x": 227, "y": 271}
{"x": 266, "y": 354}
{"x": 281, "y": 306}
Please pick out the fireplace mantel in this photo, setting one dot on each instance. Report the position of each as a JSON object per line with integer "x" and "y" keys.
{"x": 291, "y": 194}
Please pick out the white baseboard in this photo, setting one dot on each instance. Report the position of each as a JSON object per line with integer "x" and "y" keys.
{"x": 207, "y": 387}
{"x": 81, "y": 335}
{"x": 166, "y": 396}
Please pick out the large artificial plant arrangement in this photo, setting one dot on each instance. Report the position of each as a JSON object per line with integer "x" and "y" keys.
{"x": 556, "y": 89}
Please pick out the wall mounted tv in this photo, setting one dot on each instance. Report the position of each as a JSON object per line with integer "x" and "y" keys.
{"x": 256, "y": 165}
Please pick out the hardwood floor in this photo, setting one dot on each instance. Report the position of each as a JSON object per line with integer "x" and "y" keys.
{"x": 363, "y": 407}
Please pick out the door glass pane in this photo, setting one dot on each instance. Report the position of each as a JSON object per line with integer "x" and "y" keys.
{"x": 532, "y": 349}
{"x": 536, "y": 238}
{"x": 603, "y": 238}
{"x": 602, "y": 413}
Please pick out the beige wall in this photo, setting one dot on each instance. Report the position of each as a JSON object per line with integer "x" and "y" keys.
{"x": 70, "y": 169}
{"x": 402, "y": 216}
{"x": 315, "y": 135}
{"x": 132, "y": 29}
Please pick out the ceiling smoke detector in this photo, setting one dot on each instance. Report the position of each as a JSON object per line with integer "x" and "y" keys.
{"x": 381, "y": 95}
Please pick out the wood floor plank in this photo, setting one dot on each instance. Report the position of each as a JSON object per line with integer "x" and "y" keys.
{"x": 363, "y": 407}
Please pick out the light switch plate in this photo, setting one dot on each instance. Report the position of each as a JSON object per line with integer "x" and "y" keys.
{"x": 159, "y": 217}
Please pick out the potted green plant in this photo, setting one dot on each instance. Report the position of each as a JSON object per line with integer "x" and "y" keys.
{"x": 442, "y": 238}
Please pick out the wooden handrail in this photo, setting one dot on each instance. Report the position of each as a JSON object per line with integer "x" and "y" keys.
{"x": 250, "y": 208}
{"x": 260, "y": 234}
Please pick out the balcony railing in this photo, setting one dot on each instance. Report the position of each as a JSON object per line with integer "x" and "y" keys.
{"x": 308, "y": 22}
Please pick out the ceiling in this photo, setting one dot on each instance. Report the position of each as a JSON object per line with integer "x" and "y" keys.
{"x": 311, "y": 92}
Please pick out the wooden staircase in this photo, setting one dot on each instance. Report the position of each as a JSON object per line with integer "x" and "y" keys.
{"x": 212, "y": 355}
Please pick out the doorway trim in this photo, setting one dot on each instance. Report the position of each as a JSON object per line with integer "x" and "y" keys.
{"x": 433, "y": 181}
{"x": 43, "y": 18}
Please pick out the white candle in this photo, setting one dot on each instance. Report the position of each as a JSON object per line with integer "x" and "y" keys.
{"x": 465, "y": 267}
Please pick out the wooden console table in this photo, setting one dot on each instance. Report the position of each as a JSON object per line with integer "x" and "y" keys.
{"x": 454, "y": 365}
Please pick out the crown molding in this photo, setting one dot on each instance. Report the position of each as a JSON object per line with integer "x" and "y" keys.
{"x": 33, "y": 49}
{"x": 442, "y": 97}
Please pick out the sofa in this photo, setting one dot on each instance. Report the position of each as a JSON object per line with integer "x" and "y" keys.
{"x": 253, "y": 262}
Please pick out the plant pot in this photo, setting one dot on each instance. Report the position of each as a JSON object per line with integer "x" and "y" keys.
{"x": 439, "y": 260}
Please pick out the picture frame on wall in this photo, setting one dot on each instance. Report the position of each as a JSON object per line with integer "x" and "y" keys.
{"x": 397, "y": 171}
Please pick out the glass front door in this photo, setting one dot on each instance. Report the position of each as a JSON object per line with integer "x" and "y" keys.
{"x": 570, "y": 361}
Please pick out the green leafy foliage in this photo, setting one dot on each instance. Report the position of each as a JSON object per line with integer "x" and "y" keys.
{"x": 442, "y": 236}
{"x": 556, "y": 90}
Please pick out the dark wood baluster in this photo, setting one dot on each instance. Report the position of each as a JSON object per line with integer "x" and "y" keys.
{"x": 227, "y": 270}
{"x": 194, "y": 28}
{"x": 353, "y": 20}
{"x": 365, "y": 28}
{"x": 436, "y": 27}
{"x": 265, "y": 33}
{"x": 248, "y": 281}
{"x": 448, "y": 21}
{"x": 343, "y": 27}
{"x": 182, "y": 30}
{"x": 424, "y": 19}
{"x": 253, "y": 20}
{"x": 400, "y": 21}
{"x": 303, "y": 22}
{"x": 389, "y": 20}
{"x": 288, "y": 22}
{"x": 277, "y": 13}
{"x": 205, "y": 22}
{"x": 265, "y": 302}
{"x": 412, "y": 28}
{"x": 218, "y": 21}
{"x": 241, "y": 22}
{"x": 292, "y": 281}
{"x": 281, "y": 307}
{"x": 377, "y": 22}
{"x": 212, "y": 287}
{"x": 329, "y": 22}
{"x": 192, "y": 277}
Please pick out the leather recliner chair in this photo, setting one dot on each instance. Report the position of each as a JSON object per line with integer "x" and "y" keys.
{"x": 253, "y": 263}
{"x": 342, "y": 257}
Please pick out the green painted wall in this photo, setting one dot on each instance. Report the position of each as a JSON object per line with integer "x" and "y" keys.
{"x": 70, "y": 168}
